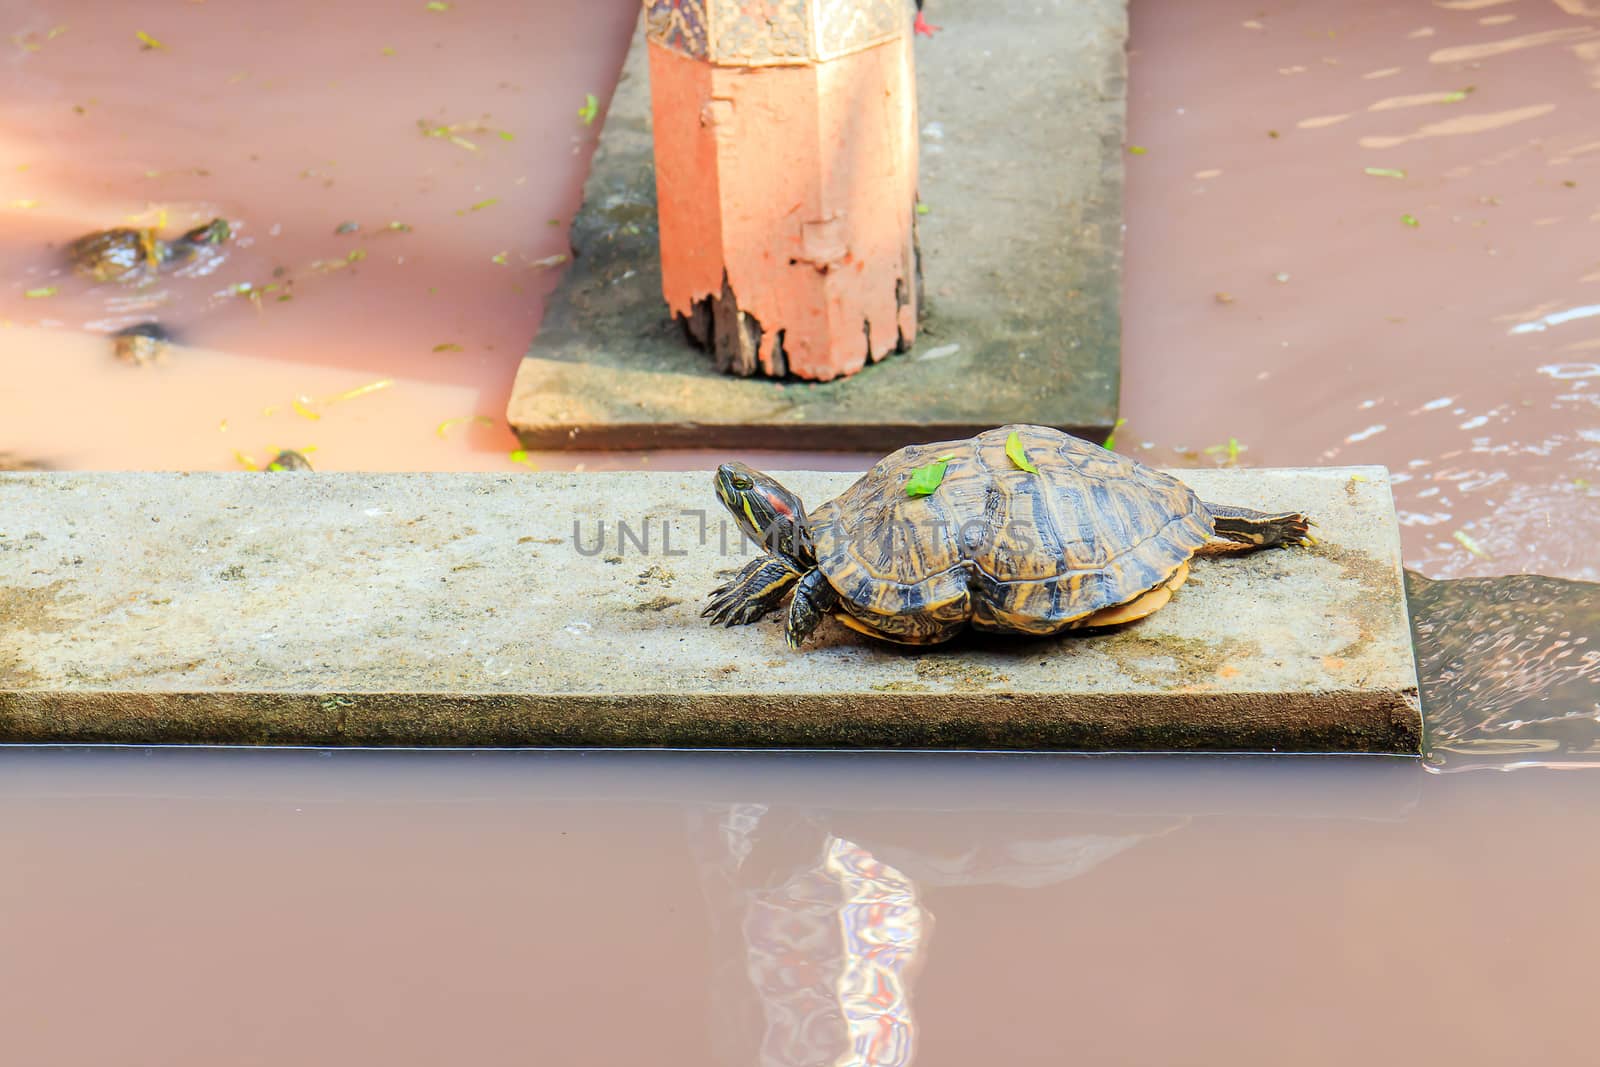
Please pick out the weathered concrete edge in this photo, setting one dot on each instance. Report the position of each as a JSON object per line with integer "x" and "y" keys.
{"x": 1327, "y": 722}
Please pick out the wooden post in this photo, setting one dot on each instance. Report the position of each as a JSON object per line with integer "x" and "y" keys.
{"x": 786, "y": 178}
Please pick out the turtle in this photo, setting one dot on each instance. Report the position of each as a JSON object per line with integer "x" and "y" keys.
{"x": 1029, "y": 531}
{"x": 124, "y": 253}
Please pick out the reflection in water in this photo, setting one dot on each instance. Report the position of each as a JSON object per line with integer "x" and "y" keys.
{"x": 830, "y": 936}
{"x": 830, "y": 933}
{"x": 1509, "y": 669}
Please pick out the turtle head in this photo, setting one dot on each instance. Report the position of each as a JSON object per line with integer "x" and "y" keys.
{"x": 768, "y": 513}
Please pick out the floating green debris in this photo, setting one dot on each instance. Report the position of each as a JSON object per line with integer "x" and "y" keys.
{"x": 1016, "y": 454}
{"x": 1231, "y": 450}
{"x": 347, "y": 227}
{"x": 437, "y": 5}
{"x": 360, "y": 390}
{"x": 481, "y": 204}
{"x": 1457, "y": 96}
{"x": 550, "y": 261}
{"x": 504, "y": 135}
{"x": 300, "y": 408}
{"x": 245, "y": 461}
{"x": 399, "y": 227}
{"x": 1470, "y": 545}
{"x": 25, "y": 204}
{"x": 1410, "y": 219}
{"x": 590, "y": 108}
{"x": 42, "y": 292}
{"x": 1580, "y": 483}
{"x": 925, "y": 479}
{"x": 521, "y": 456}
{"x": 922, "y": 209}
{"x": 386, "y": 50}
{"x": 1136, "y": 150}
{"x": 447, "y": 346}
{"x": 443, "y": 429}
{"x": 1111, "y": 438}
{"x": 499, "y": 257}
{"x": 1385, "y": 172}
{"x": 150, "y": 43}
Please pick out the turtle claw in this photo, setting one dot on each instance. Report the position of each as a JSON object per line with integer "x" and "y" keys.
{"x": 757, "y": 589}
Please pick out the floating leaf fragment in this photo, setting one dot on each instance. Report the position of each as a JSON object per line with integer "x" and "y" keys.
{"x": 922, "y": 208}
{"x": 1231, "y": 450}
{"x": 42, "y": 292}
{"x": 362, "y": 390}
{"x": 447, "y": 346}
{"x": 347, "y": 227}
{"x": 1136, "y": 150}
{"x": 356, "y": 255}
{"x": 245, "y": 461}
{"x": 504, "y": 135}
{"x": 443, "y": 428}
{"x": 521, "y": 456}
{"x": 399, "y": 227}
{"x": 437, "y": 5}
{"x": 149, "y": 42}
{"x": 1470, "y": 545}
{"x": 299, "y": 405}
{"x": 925, "y": 479}
{"x": 1017, "y": 455}
{"x": 481, "y": 204}
{"x": 1384, "y": 172}
{"x": 1111, "y": 438}
{"x": 386, "y": 50}
{"x": 550, "y": 261}
{"x": 498, "y": 257}
{"x": 1410, "y": 219}
{"x": 590, "y": 108}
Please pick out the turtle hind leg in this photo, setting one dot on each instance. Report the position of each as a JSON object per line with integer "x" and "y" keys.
{"x": 1245, "y": 528}
{"x": 813, "y": 599}
{"x": 756, "y": 590}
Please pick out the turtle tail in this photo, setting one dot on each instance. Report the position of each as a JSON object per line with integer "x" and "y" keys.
{"x": 1260, "y": 528}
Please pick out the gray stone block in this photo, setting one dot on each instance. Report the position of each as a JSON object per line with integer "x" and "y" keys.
{"x": 488, "y": 610}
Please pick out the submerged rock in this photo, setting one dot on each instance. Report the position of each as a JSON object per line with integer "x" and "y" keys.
{"x": 141, "y": 344}
{"x": 289, "y": 460}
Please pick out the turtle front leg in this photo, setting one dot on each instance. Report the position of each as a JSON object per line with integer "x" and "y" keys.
{"x": 813, "y": 599}
{"x": 756, "y": 590}
{"x": 1246, "y": 528}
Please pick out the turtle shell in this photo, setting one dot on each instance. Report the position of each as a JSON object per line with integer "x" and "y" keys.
{"x": 1001, "y": 548}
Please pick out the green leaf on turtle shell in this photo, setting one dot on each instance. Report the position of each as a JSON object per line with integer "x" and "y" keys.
{"x": 1017, "y": 455}
{"x": 926, "y": 478}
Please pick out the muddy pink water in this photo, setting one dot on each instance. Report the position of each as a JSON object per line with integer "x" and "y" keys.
{"x": 264, "y": 908}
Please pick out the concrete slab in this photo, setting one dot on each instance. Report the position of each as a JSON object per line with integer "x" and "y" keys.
{"x": 1022, "y": 112}
{"x": 488, "y": 610}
